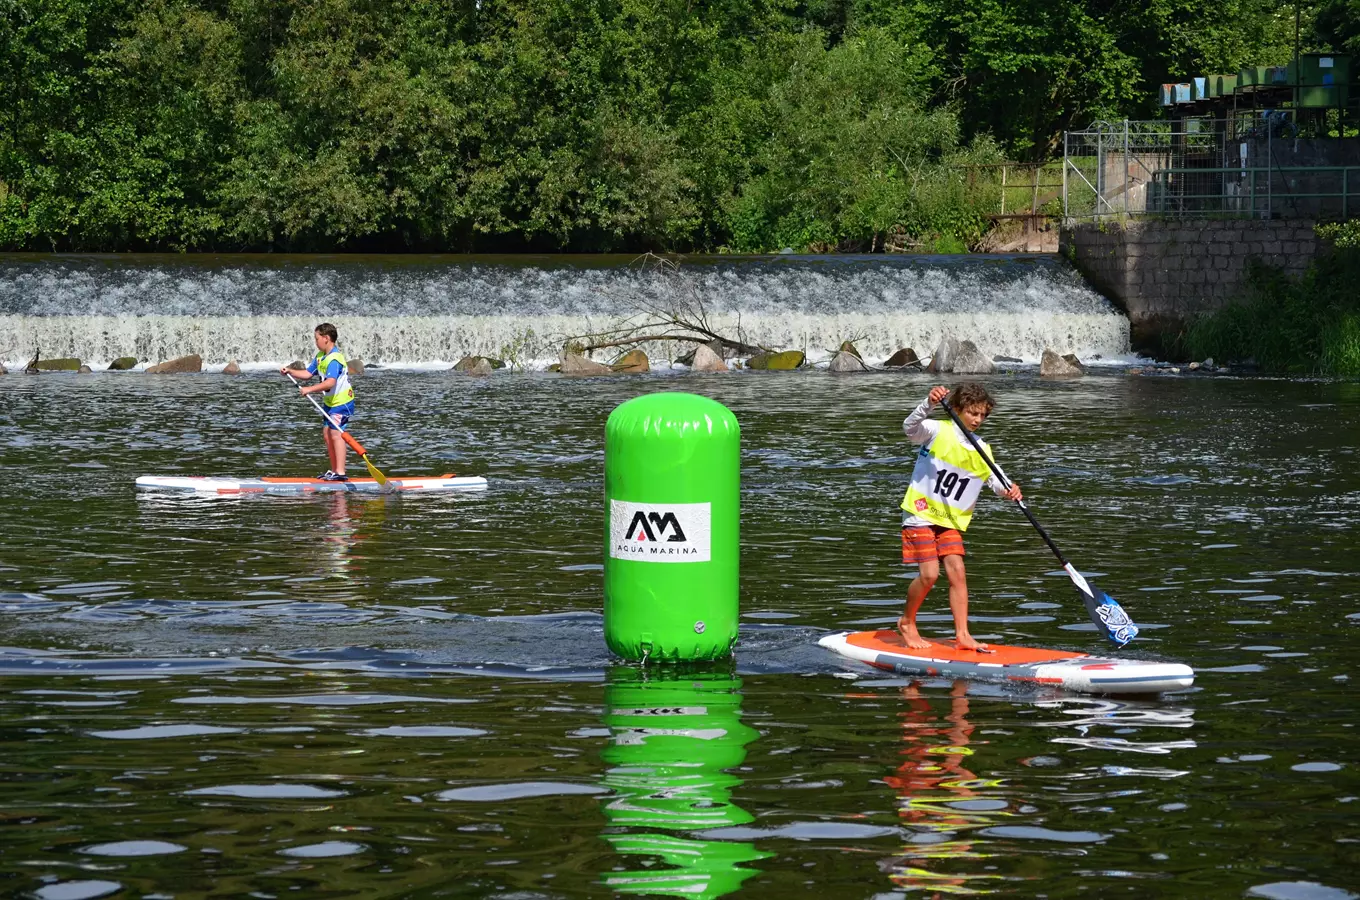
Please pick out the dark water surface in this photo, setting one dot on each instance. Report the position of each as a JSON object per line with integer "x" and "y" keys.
{"x": 340, "y": 696}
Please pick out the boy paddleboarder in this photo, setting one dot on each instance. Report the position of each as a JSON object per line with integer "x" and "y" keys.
{"x": 945, "y": 485}
{"x": 330, "y": 365}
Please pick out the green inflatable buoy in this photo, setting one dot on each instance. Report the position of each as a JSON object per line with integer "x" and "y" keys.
{"x": 672, "y": 484}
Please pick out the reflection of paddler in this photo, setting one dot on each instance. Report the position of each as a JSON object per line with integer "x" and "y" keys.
{"x": 349, "y": 521}
{"x": 936, "y": 789}
{"x": 672, "y": 739}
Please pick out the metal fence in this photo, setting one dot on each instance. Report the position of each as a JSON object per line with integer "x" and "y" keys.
{"x": 1250, "y": 165}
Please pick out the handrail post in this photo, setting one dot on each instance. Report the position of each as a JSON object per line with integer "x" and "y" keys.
{"x": 1100, "y": 168}
{"x": 1126, "y": 170}
{"x": 1067, "y": 136}
{"x": 1034, "y": 203}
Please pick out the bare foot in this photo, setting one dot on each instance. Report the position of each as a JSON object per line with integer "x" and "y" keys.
{"x": 966, "y": 642}
{"x": 910, "y": 636}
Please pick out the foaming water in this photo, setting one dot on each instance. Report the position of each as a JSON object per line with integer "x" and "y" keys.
{"x": 431, "y": 311}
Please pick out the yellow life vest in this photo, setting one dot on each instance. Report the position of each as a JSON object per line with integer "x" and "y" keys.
{"x": 340, "y": 393}
{"x": 947, "y": 480}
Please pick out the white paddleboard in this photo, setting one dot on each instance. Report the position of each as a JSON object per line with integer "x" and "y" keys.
{"x": 1029, "y": 665}
{"x": 437, "y": 484}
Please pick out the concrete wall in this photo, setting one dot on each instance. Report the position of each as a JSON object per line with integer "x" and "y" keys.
{"x": 1165, "y": 272}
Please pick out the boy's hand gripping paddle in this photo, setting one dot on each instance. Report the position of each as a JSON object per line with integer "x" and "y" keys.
{"x": 349, "y": 439}
{"x": 1104, "y": 610}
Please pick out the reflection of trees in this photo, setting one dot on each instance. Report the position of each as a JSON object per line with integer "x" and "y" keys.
{"x": 940, "y": 798}
{"x": 672, "y": 741}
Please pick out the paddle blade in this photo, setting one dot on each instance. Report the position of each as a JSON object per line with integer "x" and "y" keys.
{"x": 1108, "y": 616}
{"x": 373, "y": 470}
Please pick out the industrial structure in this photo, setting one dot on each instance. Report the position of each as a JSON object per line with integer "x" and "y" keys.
{"x": 1266, "y": 142}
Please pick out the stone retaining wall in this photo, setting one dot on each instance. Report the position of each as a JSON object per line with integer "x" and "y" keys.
{"x": 1165, "y": 272}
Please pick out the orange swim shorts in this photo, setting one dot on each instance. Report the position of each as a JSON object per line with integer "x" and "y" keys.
{"x": 930, "y": 542}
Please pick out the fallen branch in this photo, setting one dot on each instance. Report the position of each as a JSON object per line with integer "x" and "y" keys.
{"x": 748, "y": 349}
{"x": 681, "y": 310}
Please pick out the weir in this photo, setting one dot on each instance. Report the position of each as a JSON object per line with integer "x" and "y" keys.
{"x": 430, "y": 311}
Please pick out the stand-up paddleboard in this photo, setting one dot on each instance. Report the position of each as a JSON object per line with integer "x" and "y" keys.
{"x": 438, "y": 484}
{"x": 1059, "y": 668}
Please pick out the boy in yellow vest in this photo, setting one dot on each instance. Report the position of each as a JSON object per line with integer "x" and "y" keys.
{"x": 337, "y": 396}
{"x": 945, "y": 485}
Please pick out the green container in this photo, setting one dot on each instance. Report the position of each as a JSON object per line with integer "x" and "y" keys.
{"x": 672, "y": 742}
{"x": 672, "y": 490}
{"x": 1323, "y": 79}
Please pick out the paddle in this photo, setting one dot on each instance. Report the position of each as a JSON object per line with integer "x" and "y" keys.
{"x": 1104, "y": 610}
{"x": 349, "y": 439}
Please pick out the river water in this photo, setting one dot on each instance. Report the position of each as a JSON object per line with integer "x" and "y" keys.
{"x": 340, "y": 696}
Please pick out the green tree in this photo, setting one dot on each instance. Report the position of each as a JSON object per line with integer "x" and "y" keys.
{"x": 851, "y": 150}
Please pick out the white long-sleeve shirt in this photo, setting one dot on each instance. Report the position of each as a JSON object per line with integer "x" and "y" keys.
{"x": 921, "y": 429}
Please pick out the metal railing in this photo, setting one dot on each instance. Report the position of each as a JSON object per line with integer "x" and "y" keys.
{"x": 1021, "y": 190}
{"x": 1313, "y": 192}
{"x": 1244, "y": 166}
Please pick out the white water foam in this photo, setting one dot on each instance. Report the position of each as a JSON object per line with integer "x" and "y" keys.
{"x": 425, "y": 313}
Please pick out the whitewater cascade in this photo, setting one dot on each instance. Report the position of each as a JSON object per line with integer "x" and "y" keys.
{"x": 428, "y": 311}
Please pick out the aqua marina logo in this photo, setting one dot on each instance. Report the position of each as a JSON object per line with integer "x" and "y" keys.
{"x": 659, "y": 532}
{"x": 646, "y": 527}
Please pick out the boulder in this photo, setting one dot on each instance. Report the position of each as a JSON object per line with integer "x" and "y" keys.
{"x": 972, "y": 361}
{"x": 3, "y": 370}
{"x": 480, "y": 369}
{"x": 1006, "y": 359}
{"x": 231, "y": 368}
{"x": 123, "y": 363}
{"x": 185, "y": 364}
{"x": 468, "y": 363}
{"x": 576, "y": 364}
{"x": 554, "y": 367}
{"x": 85, "y": 370}
{"x": 296, "y": 364}
{"x": 961, "y": 358}
{"x": 1051, "y": 365}
{"x": 945, "y": 354}
{"x": 845, "y": 362}
{"x": 633, "y": 362}
{"x": 687, "y": 359}
{"x": 784, "y": 361}
{"x": 1071, "y": 360}
{"x": 902, "y": 358}
{"x": 705, "y": 360}
{"x": 848, "y": 347}
{"x": 354, "y": 367}
{"x": 70, "y": 364}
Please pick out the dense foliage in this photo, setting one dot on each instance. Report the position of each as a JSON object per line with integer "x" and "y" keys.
{"x": 1309, "y": 325}
{"x": 561, "y": 124}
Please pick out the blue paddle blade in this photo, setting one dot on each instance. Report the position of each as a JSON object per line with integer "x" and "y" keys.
{"x": 1104, "y": 610}
{"x": 1110, "y": 617}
